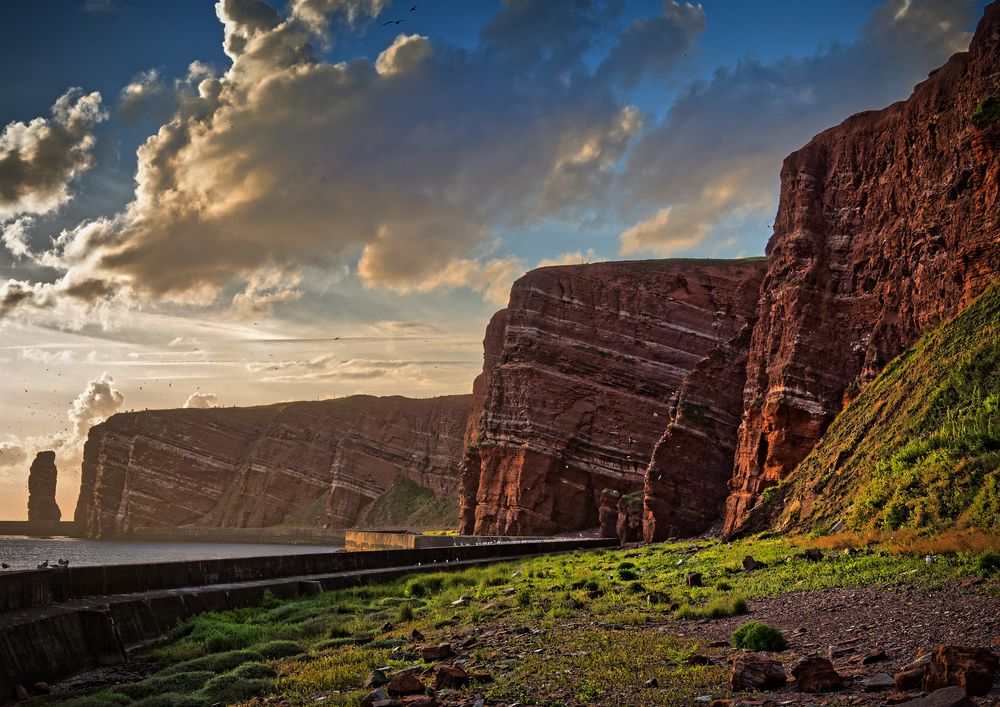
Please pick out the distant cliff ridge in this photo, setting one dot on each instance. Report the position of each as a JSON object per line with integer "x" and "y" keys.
{"x": 580, "y": 373}
{"x": 320, "y": 463}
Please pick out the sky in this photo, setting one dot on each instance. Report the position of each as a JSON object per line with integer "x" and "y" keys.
{"x": 248, "y": 202}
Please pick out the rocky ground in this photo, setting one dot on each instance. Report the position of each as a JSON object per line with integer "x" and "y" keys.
{"x": 866, "y": 633}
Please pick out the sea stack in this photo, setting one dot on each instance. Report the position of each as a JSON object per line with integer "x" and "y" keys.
{"x": 42, "y": 488}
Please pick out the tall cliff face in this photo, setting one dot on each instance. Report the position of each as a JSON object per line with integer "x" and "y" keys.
{"x": 579, "y": 373}
{"x": 42, "y": 488}
{"x": 887, "y": 225}
{"x": 306, "y": 462}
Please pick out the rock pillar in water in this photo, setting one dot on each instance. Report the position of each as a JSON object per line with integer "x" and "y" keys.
{"x": 42, "y": 488}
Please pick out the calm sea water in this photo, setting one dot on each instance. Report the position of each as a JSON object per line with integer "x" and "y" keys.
{"x": 25, "y": 553}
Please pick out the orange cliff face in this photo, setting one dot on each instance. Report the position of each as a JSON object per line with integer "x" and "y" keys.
{"x": 320, "y": 463}
{"x": 579, "y": 375}
{"x": 888, "y": 224}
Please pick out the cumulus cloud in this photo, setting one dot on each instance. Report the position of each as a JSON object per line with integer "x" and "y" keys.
{"x": 146, "y": 94}
{"x": 98, "y": 401}
{"x": 15, "y": 236}
{"x": 12, "y": 454}
{"x": 202, "y": 400}
{"x": 713, "y": 159}
{"x": 40, "y": 158}
{"x": 574, "y": 258}
{"x": 331, "y": 368}
{"x": 414, "y": 160}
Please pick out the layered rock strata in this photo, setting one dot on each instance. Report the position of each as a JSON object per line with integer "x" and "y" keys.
{"x": 579, "y": 375}
{"x": 42, "y": 488}
{"x": 307, "y": 463}
{"x": 888, "y": 224}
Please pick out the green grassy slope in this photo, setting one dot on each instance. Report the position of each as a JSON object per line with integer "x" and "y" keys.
{"x": 919, "y": 449}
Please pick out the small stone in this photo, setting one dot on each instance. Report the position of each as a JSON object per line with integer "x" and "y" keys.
{"x": 750, "y": 564}
{"x": 405, "y": 684}
{"x": 377, "y": 678}
{"x": 450, "y": 677}
{"x": 945, "y": 697}
{"x": 375, "y": 697}
{"x": 461, "y": 601}
{"x": 387, "y": 626}
{"x": 813, "y": 555}
{"x": 20, "y": 693}
{"x": 481, "y": 676}
{"x": 42, "y": 688}
{"x": 415, "y": 635}
{"x": 720, "y": 703}
{"x": 877, "y": 683}
{"x": 441, "y": 651}
{"x": 698, "y": 659}
{"x": 693, "y": 579}
{"x": 652, "y": 682}
{"x": 874, "y": 657}
{"x": 817, "y": 675}
{"x": 703, "y": 699}
{"x": 420, "y": 701}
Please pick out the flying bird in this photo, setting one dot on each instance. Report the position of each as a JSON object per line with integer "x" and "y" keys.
{"x": 413, "y": 9}
{"x": 392, "y": 22}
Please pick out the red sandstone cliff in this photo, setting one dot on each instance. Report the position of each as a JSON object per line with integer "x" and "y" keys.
{"x": 320, "y": 462}
{"x": 579, "y": 374}
{"x": 887, "y": 225}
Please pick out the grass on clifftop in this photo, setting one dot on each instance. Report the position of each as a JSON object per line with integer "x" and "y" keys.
{"x": 919, "y": 449}
{"x": 581, "y": 628}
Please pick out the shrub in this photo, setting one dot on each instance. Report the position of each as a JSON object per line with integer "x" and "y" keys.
{"x": 988, "y": 563}
{"x": 230, "y": 689}
{"x": 161, "y": 684}
{"x": 627, "y": 575}
{"x": 280, "y": 649}
{"x": 626, "y": 565}
{"x": 254, "y": 671}
{"x": 755, "y": 636}
{"x": 987, "y": 110}
{"x": 723, "y": 586}
{"x": 219, "y": 663}
{"x": 524, "y": 597}
{"x": 404, "y": 613}
{"x": 171, "y": 699}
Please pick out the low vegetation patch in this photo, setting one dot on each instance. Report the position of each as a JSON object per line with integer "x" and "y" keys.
{"x": 599, "y": 637}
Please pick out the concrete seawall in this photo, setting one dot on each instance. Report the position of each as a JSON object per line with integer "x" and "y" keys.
{"x": 275, "y": 535}
{"x": 40, "y": 528}
{"x": 59, "y": 622}
{"x": 401, "y": 540}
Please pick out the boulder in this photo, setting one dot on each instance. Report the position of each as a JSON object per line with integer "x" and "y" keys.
{"x": 877, "y": 683}
{"x": 975, "y": 669}
{"x": 440, "y": 651}
{"x": 450, "y": 677}
{"x": 405, "y": 684}
{"x": 945, "y": 697}
{"x": 817, "y": 674}
{"x": 756, "y": 672}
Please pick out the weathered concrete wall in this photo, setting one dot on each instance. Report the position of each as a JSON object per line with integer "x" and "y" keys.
{"x": 51, "y": 641}
{"x": 40, "y": 528}
{"x": 384, "y": 540}
{"x": 276, "y": 535}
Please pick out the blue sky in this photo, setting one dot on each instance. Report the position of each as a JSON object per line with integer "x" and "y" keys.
{"x": 273, "y": 202}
